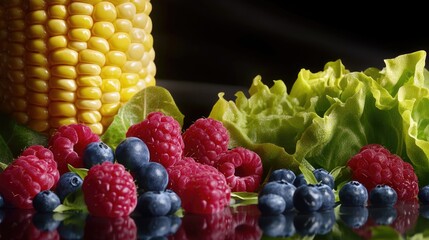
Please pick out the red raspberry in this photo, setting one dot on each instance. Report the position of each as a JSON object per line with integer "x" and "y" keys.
{"x": 109, "y": 190}
{"x": 205, "y": 139}
{"x": 68, "y": 144}
{"x": 180, "y": 173}
{"x": 205, "y": 193}
{"x": 374, "y": 165}
{"x": 162, "y": 135}
{"x": 242, "y": 169}
{"x": 44, "y": 153}
{"x": 28, "y": 175}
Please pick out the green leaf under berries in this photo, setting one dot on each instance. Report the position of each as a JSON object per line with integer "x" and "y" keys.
{"x": 74, "y": 202}
{"x": 82, "y": 172}
{"x": 150, "y": 99}
{"x": 15, "y": 137}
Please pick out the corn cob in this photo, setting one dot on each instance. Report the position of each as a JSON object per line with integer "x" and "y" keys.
{"x": 73, "y": 61}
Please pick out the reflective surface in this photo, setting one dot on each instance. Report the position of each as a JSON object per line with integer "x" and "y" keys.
{"x": 243, "y": 222}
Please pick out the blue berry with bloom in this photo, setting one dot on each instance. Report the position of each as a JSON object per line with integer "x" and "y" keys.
{"x": 96, "y": 153}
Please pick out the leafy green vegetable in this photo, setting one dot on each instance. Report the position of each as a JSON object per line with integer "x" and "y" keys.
{"x": 15, "y": 137}
{"x": 329, "y": 115}
{"x": 148, "y": 100}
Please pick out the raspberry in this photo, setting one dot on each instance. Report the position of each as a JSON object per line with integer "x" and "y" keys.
{"x": 109, "y": 190}
{"x": 26, "y": 176}
{"x": 180, "y": 173}
{"x": 374, "y": 165}
{"x": 68, "y": 144}
{"x": 44, "y": 153}
{"x": 163, "y": 137}
{"x": 205, "y": 193}
{"x": 205, "y": 139}
{"x": 242, "y": 169}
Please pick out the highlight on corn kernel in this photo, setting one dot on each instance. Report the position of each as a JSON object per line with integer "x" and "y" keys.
{"x": 73, "y": 61}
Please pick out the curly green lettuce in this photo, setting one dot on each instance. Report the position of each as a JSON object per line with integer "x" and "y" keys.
{"x": 329, "y": 115}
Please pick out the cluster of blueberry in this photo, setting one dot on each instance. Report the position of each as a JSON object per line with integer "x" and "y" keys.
{"x": 151, "y": 177}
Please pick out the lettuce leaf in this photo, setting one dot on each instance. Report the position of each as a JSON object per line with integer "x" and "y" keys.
{"x": 329, "y": 115}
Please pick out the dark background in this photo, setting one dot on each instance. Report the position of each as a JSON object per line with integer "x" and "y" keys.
{"x": 231, "y": 41}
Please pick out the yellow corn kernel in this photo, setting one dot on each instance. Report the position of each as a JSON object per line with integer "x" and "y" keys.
{"x": 80, "y": 8}
{"x": 38, "y": 85}
{"x": 65, "y": 84}
{"x": 96, "y": 128}
{"x": 37, "y": 17}
{"x": 110, "y": 109}
{"x": 16, "y": 76}
{"x": 79, "y": 34}
{"x": 123, "y": 25}
{"x": 37, "y": 4}
{"x": 61, "y": 95}
{"x": 56, "y": 122}
{"x": 57, "y": 42}
{"x": 89, "y": 117}
{"x": 64, "y": 71}
{"x": 64, "y": 56}
{"x": 111, "y": 85}
{"x": 104, "y": 11}
{"x": 80, "y": 21}
{"x": 88, "y": 69}
{"x": 39, "y": 99}
{"x": 15, "y": 63}
{"x": 39, "y": 125}
{"x": 110, "y": 97}
{"x": 16, "y": 49}
{"x": 103, "y": 29}
{"x": 36, "y": 45}
{"x": 56, "y": 27}
{"x": 129, "y": 79}
{"x": 77, "y": 46}
{"x": 20, "y": 116}
{"x": 132, "y": 66}
{"x": 38, "y": 113}
{"x": 19, "y": 37}
{"x": 99, "y": 44}
{"x": 135, "y": 51}
{"x": 91, "y": 56}
{"x": 127, "y": 93}
{"x": 86, "y": 104}
{"x": 62, "y": 109}
{"x": 111, "y": 72}
{"x": 116, "y": 58}
{"x": 120, "y": 41}
{"x": 89, "y": 93}
{"x": 41, "y": 73}
{"x": 19, "y": 90}
{"x": 126, "y": 10}
{"x": 89, "y": 81}
{"x": 19, "y": 104}
{"x": 57, "y": 11}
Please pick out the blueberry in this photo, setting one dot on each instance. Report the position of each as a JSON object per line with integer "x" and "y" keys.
{"x": 328, "y": 221}
{"x": 154, "y": 203}
{"x": 176, "y": 222}
{"x": 152, "y": 176}
{"x": 132, "y": 152}
{"x": 280, "y": 225}
{"x": 423, "y": 211}
{"x": 44, "y": 221}
{"x": 68, "y": 183}
{"x": 153, "y": 227}
{"x": 307, "y": 198}
{"x": 383, "y": 215}
{"x": 271, "y": 204}
{"x": 282, "y": 174}
{"x": 46, "y": 201}
{"x": 299, "y": 180}
{"x": 424, "y": 195}
{"x": 383, "y": 196}
{"x": 324, "y": 176}
{"x": 353, "y": 216}
{"x": 328, "y": 196}
{"x": 96, "y": 153}
{"x": 281, "y": 188}
{"x": 176, "y": 202}
{"x": 308, "y": 223}
{"x": 353, "y": 193}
